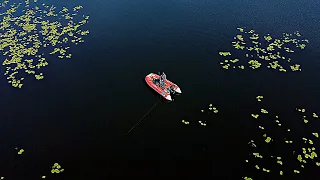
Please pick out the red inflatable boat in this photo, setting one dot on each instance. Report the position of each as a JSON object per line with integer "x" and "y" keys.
{"x": 165, "y": 88}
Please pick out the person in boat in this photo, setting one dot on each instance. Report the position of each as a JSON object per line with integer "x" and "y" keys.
{"x": 159, "y": 83}
{"x": 163, "y": 77}
{"x": 162, "y": 80}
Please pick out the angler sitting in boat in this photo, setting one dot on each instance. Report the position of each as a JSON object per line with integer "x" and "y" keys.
{"x": 163, "y": 78}
{"x": 160, "y": 82}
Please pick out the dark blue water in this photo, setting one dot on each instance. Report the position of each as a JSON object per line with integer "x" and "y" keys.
{"x": 78, "y": 115}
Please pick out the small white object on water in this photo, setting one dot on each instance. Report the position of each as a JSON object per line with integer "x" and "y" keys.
{"x": 252, "y": 143}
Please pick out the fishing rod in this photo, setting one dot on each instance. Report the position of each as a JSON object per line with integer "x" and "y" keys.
{"x": 144, "y": 116}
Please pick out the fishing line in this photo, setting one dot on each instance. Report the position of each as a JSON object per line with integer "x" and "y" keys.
{"x": 144, "y": 116}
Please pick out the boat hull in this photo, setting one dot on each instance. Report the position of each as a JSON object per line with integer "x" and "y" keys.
{"x": 163, "y": 92}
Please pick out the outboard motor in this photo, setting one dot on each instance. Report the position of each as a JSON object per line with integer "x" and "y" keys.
{"x": 171, "y": 89}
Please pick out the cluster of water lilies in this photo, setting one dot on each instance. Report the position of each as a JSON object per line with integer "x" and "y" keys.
{"x": 263, "y": 169}
{"x": 247, "y": 178}
{"x": 211, "y": 109}
{"x": 305, "y": 154}
{"x": 20, "y": 151}
{"x": 224, "y": 53}
{"x": 27, "y": 28}
{"x": 56, "y": 168}
{"x": 268, "y": 139}
{"x": 278, "y": 122}
{"x": 264, "y": 111}
{"x": 266, "y": 51}
{"x": 255, "y": 115}
{"x": 185, "y": 122}
{"x": 202, "y": 124}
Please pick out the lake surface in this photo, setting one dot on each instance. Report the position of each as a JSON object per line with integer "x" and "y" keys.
{"x": 79, "y": 114}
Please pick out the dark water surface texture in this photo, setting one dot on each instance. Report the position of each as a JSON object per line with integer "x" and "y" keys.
{"x": 78, "y": 115}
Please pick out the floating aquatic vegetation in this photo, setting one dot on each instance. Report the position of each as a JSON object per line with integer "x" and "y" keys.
{"x": 185, "y": 122}
{"x": 268, "y": 139}
{"x": 316, "y": 134}
{"x": 202, "y": 124}
{"x": 305, "y": 119}
{"x": 266, "y": 170}
{"x": 289, "y": 142}
{"x": 211, "y": 110}
{"x": 20, "y": 151}
{"x": 307, "y": 153}
{"x": 27, "y": 29}
{"x": 315, "y": 115}
{"x": 234, "y": 60}
{"x": 231, "y": 61}
{"x": 279, "y": 162}
{"x": 247, "y": 178}
{"x": 264, "y": 111}
{"x": 255, "y": 115}
{"x": 257, "y": 155}
{"x": 265, "y": 52}
{"x": 259, "y": 98}
{"x": 295, "y": 67}
{"x": 225, "y": 53}
{"x": 301, "y": 110}
{"x": 254, "y": 64}
{"x": 56, "y": 168}
{"x": 214, "y": 109}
